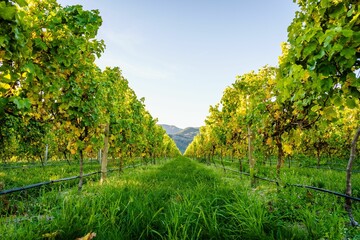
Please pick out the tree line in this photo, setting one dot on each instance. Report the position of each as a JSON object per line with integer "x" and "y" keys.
{"x": 52, "y": 92}
{"x": 307, "y": 105}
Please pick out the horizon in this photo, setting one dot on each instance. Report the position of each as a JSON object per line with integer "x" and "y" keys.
{"x": 171, "y": 125}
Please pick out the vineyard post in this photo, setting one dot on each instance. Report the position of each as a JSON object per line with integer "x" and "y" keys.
{"x": 99, "y": 156}
{"x": 280, "y": 160}
{"x": 251, "y": 158}
{"x": 46, "y": 153}
{"x": 121, "y": 164}
{"x": 290, "y": 159}
{"x": 348, "y": 177}
{"x": 222, "y": 160}
{"x": 240, "y": 167}
{"x": 81, "y": 173}
{"x": 104, "y": 156}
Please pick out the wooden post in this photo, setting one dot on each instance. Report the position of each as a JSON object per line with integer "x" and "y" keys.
{"x": 251, "y": 158}
{"x": 348, "y": 178}
{"x": 81, "y": 173}
{"x": 99, "y": 156}
{"x": 104, "y": 156}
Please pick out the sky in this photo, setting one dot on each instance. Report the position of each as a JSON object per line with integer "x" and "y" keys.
{"x": 180, "y": 55}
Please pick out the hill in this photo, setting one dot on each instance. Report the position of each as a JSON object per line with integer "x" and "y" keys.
{"x": 170, "y": 129}
{"x": 182, "y": 137}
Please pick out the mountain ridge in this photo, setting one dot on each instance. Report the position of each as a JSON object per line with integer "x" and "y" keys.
{"x": 170, "y": 129}
{"x": 182, "y": 137}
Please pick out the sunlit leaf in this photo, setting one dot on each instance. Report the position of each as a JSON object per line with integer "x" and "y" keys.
{"x": 88, "y": 236}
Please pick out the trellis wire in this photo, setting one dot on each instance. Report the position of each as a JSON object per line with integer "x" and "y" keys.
{"x": 35, "y": 185}
{"x": 294, "y": 185}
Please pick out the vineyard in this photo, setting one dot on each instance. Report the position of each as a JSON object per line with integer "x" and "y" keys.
{"x": 306, "y": 108}
{"x": 54, "y": 97}
{"x": 81, "y": 156}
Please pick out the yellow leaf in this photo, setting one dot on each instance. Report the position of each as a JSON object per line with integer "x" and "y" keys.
{"x": 277, "y": 115}
{"x": 88, "y": 148}
{"x": 51, "y": 235}
{"x": 72, "y": 151}
{"x": 306, "y": 76}
{"x": 72, "y": 147}
{"x": 4, "y": 85}
{"x": 77, "y": 132}
{"x": 88, "y": 236}
{"x": 288, "y": 149}
{"x": 7, "y": 76}
{"x": 269, "y": 141}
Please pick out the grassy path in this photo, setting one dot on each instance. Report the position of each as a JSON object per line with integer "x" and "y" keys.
{"x": 180, "y": 199}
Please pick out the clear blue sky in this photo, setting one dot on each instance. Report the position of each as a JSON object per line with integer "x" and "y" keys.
{"x": 181, "y": 55}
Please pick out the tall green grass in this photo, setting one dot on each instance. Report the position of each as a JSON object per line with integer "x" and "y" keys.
{"x": 180, "y": 199}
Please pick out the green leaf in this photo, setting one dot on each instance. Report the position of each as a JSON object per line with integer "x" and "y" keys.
{"x": 354, "y": 91}
{"x": 39, "y": 43}
{"x": 338, "y": 11}
{"x": 348, "y": 53}
{"x": 21, "y": 3}
{"x": 326, "y": 69}
{"x": 350, "y": 12}
{"x": 315, "y": 108}
{"x": 29, "y": 67}
{"x": 320, "y": 55}
{"x": 2, "y": 40}
{"x": 326, "y": 84}
{"x": 350, "y": 103}
{"x": 329, "y": 36}
{"x": 262, "y": 106}
{"x": 309, "y": 49}
{"x": 3, "y": 102}
{"x": 329, "y": 113}
{"x": 7, "y": 13}
{"x": 352, "y": 79}
{"x": 312, "y": 66}
{"x": 337, "y": 47}
{"x": 347, "y": 32}
{"x": 325, "y": 3}
{"x": 22, "y": 103}
{"x": 337, "y": 101}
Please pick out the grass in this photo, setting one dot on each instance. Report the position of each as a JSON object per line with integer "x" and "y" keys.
{"x": 180, "y": 199}
{"x": 322, "y": 178}
{"x": 22, "y": 176}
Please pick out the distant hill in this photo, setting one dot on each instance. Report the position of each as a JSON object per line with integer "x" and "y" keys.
{"x": 182, "y": 137}
{"x": 170, "y": 129}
